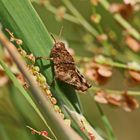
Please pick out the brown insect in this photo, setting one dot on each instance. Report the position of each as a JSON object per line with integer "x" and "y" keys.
{"x": 65, "y": 69}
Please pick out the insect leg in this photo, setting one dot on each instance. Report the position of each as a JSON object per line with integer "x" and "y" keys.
{"x": 46, "y": 58}
{"x": 53, "y": 82}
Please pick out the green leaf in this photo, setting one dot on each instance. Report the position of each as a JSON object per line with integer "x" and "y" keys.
{"x": 27, "y": 26}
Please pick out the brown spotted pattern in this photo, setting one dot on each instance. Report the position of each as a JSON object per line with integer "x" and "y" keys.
{"x": 65, "y": 68}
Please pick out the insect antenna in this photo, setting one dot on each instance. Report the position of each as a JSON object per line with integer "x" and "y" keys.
{"x": 60, "y": 33}
{"x": 53, "y": 38}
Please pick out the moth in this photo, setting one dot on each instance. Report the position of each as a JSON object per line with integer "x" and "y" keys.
{"x": 65, "y": 69}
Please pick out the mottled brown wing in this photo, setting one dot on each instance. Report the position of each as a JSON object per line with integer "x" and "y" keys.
{"x": 69, "y": 74}
{"x": 65, "y": 72}
{"x": 84, "y": 85}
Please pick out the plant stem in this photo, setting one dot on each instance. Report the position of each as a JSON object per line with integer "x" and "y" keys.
{"x": 106, "y": 123}
{"x": 78, "y": 118}
{"x": 132, "y": 31}
{"x": 94, "y": 89}
{"x": 80, "y": 18}
{"x": 53, "y": 10}
{"x": 87, "y": 25}
{"x": 66, "y": 16}
{"x": 109, "y": 63}
{"x": 32, "y": 129}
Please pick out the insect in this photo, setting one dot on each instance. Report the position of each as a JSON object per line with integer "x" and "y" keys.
{"x": 65, "y": 69}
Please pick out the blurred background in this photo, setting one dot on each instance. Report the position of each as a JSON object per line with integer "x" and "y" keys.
{"x": 106, "y": 37}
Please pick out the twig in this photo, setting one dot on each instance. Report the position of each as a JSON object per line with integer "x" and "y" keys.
{"x": 38, "y": 132}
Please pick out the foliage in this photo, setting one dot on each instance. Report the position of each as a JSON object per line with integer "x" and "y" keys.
{"x": 104, "y": 42}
